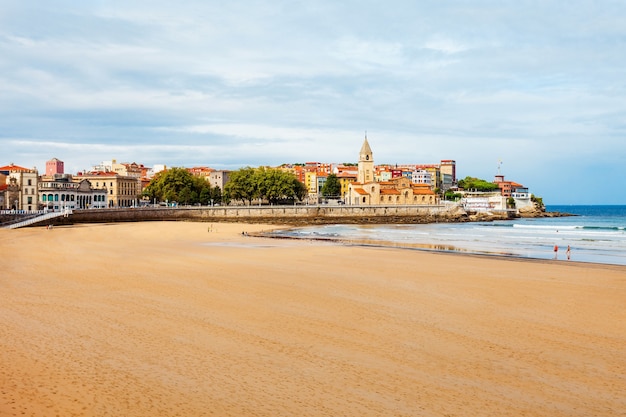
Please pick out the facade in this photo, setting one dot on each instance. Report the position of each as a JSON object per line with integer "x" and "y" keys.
{"x": 219, "y": 179}
{"x": 127, "y": 170}
{"x": 396, "y": 191}
{"x": 54, "y": 167}
{"x": 20, "y": 192}
{"x": 62, "y": 193}
{"x": 122, "y": 191}
{"x": 202, "y": 172}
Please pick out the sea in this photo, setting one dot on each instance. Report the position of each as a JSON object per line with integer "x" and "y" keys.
{"x": 595, "y": 234}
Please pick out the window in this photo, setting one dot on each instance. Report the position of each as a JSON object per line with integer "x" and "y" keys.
{"x": 30, "y": 182}
{"x": 30, "y": 200}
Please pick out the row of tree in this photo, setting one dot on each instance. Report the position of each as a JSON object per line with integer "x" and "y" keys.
{"x": 246, "y": 185}
{"x": 269, "y": 184}
{"x": 179, "y": 185}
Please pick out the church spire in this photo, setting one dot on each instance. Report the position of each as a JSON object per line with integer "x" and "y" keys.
{"x": 365, "y": 149}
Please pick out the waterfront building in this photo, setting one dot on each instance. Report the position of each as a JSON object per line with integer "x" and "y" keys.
{"x": 62, "y": 193}
{"x": 397, "y": 191}
{"x": 122, "y": 191}
{"x": 512, "y": 189}
{"x": 20, "y": 192}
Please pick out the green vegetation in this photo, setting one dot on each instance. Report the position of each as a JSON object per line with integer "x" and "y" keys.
{"x": 179, "y": 185}
{"x": 332, "y": 186}
{"x": 538, "y": 202}
{"x": 477, "y": 184}
{"x": 273, "y": 185}
{"x": 452, "y": 196}
{"x": 510, "y": 202}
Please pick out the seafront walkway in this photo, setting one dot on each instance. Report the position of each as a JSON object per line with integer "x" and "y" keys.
{"x": 278, "y": 214}
{"x": 37, "y": 219}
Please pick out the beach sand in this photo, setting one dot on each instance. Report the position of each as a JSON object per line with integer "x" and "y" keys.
{"x": 169, "y": 319}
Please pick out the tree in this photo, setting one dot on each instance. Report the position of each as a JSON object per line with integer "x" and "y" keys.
{"x": 177, "y": 184}
{"x": 450, "y": 195}
{"x": 477, "y": 184}
{"x": 270, "y": 184}
{"x": 242, "y": 185}
{"x": 510, "y": 202}
{"x": 332, "y": 186}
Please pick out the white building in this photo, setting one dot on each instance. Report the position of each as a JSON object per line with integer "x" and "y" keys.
{"x": 62, "y": 193}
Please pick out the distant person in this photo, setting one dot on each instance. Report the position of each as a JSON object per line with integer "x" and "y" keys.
{"x": 568, "y": 252}
{"x": 556, "y": 251}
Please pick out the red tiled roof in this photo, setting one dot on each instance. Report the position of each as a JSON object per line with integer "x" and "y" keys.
{"x": 361, "y": 191}
{"x": 422, "y": 191}
{"x": 389, "y": 192}
{"x": 14, "y": 167}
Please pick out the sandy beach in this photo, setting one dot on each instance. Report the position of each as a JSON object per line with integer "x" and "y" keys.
{"x": 192, "y": 319}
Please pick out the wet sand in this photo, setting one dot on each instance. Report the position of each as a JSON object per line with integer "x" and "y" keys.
{"x": 169, "y": 319}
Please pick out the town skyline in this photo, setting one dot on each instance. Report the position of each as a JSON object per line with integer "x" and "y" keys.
{"x": 538, "y": 86}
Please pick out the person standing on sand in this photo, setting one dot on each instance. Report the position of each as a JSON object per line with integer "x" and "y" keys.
{"x": 556, "y": 251}
{"x": 568, "y": 252}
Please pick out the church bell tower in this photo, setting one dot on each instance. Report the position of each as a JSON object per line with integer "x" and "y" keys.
{"x": 366, "y": 164}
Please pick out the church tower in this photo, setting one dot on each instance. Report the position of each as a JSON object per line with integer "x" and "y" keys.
{"x": 366, "y": 164}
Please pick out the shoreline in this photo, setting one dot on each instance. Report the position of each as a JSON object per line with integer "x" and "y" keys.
{"x": 432, "y": 248}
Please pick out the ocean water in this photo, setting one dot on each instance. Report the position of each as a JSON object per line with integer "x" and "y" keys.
{"x": 595, "y": 234}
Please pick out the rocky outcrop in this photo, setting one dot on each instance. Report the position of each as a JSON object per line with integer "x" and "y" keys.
{"x": 535, "y": 211}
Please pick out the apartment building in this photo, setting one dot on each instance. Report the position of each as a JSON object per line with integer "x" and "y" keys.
{"x": 20, "y": 192}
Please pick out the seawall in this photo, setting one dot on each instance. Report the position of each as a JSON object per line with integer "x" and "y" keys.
{"x": 287, "y": 215}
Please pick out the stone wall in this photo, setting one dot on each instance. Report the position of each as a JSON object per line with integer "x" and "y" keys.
{"x": 290, "y": 215}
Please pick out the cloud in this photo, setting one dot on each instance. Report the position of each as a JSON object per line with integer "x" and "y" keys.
{"x": 256, "y": 82}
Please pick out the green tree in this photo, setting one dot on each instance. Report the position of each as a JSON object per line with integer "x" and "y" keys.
{"x": 269, "y": 184}
{"x": 477, "y": 184}
{"x": 510, "y": 202}
{"x": 538, "y": 202}
{"x": 242, "y": 185}
{"x": 452, "y": 196}
{"x": 177, "y": 184}
{"x": 332, "y": 186}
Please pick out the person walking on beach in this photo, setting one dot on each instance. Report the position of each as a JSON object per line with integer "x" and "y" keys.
{"x": 556, "y": 251}
{"x": 568, "y": 252}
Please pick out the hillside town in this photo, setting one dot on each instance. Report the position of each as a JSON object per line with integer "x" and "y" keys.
{"x": 113, "y": 184}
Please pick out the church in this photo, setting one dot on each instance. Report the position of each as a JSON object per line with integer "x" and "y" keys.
{"x": 366, "y": 191}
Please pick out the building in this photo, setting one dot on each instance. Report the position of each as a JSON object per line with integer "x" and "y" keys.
{"x": 399, "y": 190}
{"x": 20, "y": 192}
{"x": 122, "y": 191}
{"x": 54, "y": 167}
{"x": 62, "y": 193}
{"x": 512, "y": 189}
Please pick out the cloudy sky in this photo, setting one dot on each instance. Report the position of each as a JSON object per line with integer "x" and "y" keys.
{"x": 538, "y": 85}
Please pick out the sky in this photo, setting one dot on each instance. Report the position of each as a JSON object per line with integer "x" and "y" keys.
{"x": 536, "y": 89}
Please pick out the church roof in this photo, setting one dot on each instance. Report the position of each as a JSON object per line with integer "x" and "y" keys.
{"x": 365, "y": 149}
{"x": 361, "y": 191}
{"x": 422, "y": 190}
{"x": 390, "y": 191}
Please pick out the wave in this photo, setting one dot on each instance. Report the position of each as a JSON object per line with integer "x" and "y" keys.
{"x": 547, "y": 227}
